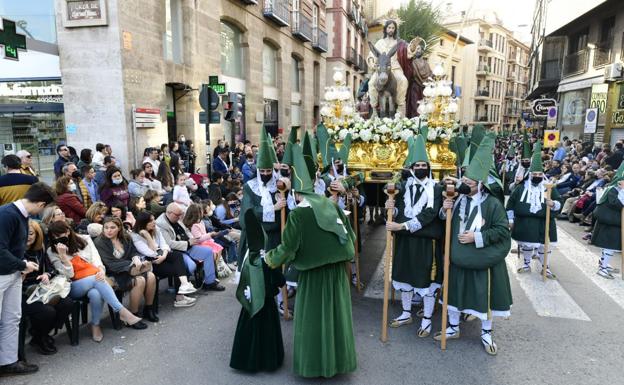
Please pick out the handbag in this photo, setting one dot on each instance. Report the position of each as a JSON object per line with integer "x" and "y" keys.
{"x": 51, "y": 292}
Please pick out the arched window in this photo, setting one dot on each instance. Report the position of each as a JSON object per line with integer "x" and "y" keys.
{"x": 295, "y": 76}
{"x": 269, "y": 65}
{"x": 231, "y": 51}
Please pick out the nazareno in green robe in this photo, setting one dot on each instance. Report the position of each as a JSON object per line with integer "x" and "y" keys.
{"x": 324, "y": 345}
{"x": 530, "y": 228}
{"x": 478, "y": 279}
{"x": 414, "y": 253}
{"x": 251, "y": 201}
{"x": 607, "y": 231}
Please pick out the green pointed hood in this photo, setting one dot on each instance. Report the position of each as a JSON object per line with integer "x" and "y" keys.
{"x": 458, "y": 144}
{"x": 309, "y": 155}
{"x": 424, "y": 131}
{"x": 343, "y": 154}
{"x": 526, "y": 146}
{"x": 536, "y": 160}
{"x": 292, "y": 139}
{"x": 478, "y": 133}
{"x": 420, "y": 149}
{"x": 467, "y": 157}
{"x": 252, "y": 273}
{"x": 325, "y": 211}
{"x": 619, "y": 175}
{"x": 300, "y": 176}
{"x": 481, "y": 162}
{"x": 266, "y": 152}
{"x": 324, "y": 144}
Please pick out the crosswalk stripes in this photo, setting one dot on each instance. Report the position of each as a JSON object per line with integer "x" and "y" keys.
{"x": 549, "y": 299}
{"x": 587, "y": 262}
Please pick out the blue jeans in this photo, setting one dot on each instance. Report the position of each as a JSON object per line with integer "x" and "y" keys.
{"x": 96, "y": 291}
{"x": 201, "y": 253}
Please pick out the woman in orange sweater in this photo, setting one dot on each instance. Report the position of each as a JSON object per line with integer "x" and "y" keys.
{"x": 77, "y": 258}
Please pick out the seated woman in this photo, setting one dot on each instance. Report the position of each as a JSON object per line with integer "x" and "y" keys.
{"x": 67, "y": 199}
{"x": 95, "y": 214}
{"x": 114, "y": 190}
{"x": 137, "y": 206}
{"x": 225, "y": 210}
{"x": 123, "y": 263}
{"x": 153, "y": 203}
{"x": 137, "y": 186}
{"x": 150, "y": 178}
{"x": 43, "y": 317}
{"x": 229, "y": 240}
{"x": 52, "y": 214}
{"x": 76, "y": 258}
{"x": 165, "y": 262}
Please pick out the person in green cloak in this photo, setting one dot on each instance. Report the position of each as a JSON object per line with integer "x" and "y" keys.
{"x": 416, "y": 225}
{"x": 480, "y": 240}
{"x": 318, "y": 241}
{"x": 607, "y": 232}
{"x": 522, "y": 172}
{"x": 508, "y": 167}
{"x": 261, "y": 196}
{"x": 258, "y": 344}
{"x": 526, "y": 212}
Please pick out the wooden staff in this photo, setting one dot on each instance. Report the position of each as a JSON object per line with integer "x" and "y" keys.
{"x": 448, "y": 194}
{"x": 391, "y": 192}
{"x": 357, "y": 246}
{"x": 549, "y": 187}
{"x": 622, "y": 245}
{"x": 504, "y": 173}
{"x": 281, "y": 187}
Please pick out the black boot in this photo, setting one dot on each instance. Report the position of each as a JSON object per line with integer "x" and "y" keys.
{"x": 41, "y": 346}
{"x": 148, "y": 313}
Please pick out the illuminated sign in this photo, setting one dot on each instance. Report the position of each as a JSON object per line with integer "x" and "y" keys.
{"x": 213, "y": 82}
{"x": 11, "y": 40}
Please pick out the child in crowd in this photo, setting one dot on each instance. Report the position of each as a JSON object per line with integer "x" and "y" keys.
{"x": 181, "y": 194}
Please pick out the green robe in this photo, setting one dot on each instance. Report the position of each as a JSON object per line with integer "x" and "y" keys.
{"x": 607, "y": 231}
{"x": 251, "y": 201}
{"x": 478, "y": 278}
{"x": 258, "y": 344}
{"x": 414, "y": 253}
{"x": 529, "y": 227}
{"x": 324, "y": 344}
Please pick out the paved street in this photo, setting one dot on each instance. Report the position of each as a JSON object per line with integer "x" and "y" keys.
{"x": 568, "y": 334}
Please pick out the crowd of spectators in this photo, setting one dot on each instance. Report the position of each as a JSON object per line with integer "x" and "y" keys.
{"x": 112, "y": 236}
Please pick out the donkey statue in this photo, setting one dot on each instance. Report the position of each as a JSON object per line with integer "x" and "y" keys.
{"x": 384, "y": 83}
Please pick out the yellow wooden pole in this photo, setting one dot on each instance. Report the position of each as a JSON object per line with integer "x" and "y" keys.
{"x": 547, "y": 233}
{"x": 449, "y": 194}
{"x": 391, "y": 192}
{"x": 282, "y": 191}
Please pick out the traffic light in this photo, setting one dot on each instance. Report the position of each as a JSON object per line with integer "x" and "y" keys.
{"x": 233, "y": 108}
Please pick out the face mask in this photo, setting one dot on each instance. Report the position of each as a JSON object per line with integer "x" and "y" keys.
{"x": 250, "y": 162}
{"x": 285, "y": 173}
{"x": 63, "y": 240}
{"x": 205, "y": 185}
{"x": 340, "y": 169}
{"x": 537, "y": 180}
{"x": 421, "y": 173}
{"x": 526, "y": 164}
{"x": 76, "y": 174}
{"x": 72, "y": 187}
{"x": 510, "y": 157}
{"x": 265, "y": 178}
{"x": 117, "y": 181}
{"x": 405, "y": 174}
{"x": 233, "y": 206}
{"x": 464, "y": 189}
{"x": 182, "y": 139}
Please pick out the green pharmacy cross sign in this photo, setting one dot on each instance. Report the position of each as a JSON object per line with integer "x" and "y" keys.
{"x": 11, "y": 40}
{"x": 213, "y": 82}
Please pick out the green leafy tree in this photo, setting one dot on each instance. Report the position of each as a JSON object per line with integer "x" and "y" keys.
{"x": 420, "y": 18}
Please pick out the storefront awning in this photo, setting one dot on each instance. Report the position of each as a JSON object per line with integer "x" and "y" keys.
{"x": 543, "y": 87}
{"x": 580, "y": 84}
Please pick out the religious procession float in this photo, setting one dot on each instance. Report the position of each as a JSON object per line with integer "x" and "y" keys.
{"x": 408, "y": 98}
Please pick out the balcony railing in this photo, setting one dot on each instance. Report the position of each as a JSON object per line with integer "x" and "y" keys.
{"x": 482, "y": 93}
{"x": 362, "y": 64}
{"x": 319, "y": 39}
{"x": 481, "y": 118}
{"x": 551, "y": 69}
{"x": 301, "y": 26}
{"x": 511, "y": 75}
{"x": 277, "y": 10}
{"x": 482, "y": 67}
{"x": 576, "y": 63}
{"x": 486, "y": 43}
{"x": 513, "y": 111}
{"x": 602, "y": 54}
{"x": 353, "y": 55}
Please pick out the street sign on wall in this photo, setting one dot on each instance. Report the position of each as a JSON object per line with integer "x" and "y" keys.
{"x": 146, "y": 117}
{"x": 591, "y": 121}
{"x": 551, "y": 119}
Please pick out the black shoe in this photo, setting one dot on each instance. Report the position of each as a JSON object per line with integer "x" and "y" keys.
{"x": 42, "y": 346}
{"x": 17, "y": 368}
{"x": 148, "y": 313}
{"x": 140, "y": 325}
{"x": 213, "y": 287}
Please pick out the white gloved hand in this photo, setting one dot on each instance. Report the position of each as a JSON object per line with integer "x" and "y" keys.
{"x": 247, "y": 293}
{"x": 262, "y": 254}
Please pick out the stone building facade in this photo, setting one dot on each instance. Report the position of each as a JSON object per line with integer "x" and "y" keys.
{"x": 157, "y": 53}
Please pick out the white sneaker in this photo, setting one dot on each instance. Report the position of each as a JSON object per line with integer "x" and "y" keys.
{"x": 185, "y": 302}
{"x": 187, "y": 288}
